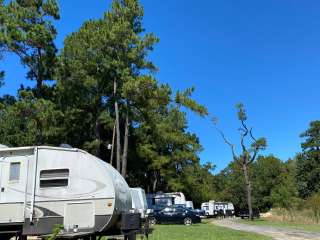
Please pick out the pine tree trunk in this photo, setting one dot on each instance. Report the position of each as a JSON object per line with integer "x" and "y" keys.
{"x": 116, "y": 108}
{"x": 39, "y": 79}
{"x": 97, "y": 133}
{"x": 155, "y": 182}
{"x": 112, "y": 145}
{"x": 125, "y": 147}
{"x": 154, "y": 186}
{"x": 248, "y": 189}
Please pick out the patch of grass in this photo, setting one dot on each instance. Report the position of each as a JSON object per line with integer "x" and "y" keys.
{"x": 283, "y": 224}
{"x": 204, "y": 231}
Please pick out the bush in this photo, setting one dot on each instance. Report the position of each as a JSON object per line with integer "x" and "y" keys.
{"x": 314, "y": 205}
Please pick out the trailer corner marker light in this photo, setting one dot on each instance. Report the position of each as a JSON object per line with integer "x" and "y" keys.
{"x": 109, "y": 204}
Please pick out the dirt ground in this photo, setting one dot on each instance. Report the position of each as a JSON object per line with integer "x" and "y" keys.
{"x": 274, "y": 232}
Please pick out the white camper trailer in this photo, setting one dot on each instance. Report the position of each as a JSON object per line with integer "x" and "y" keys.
{"x": 213, "y": 208}
{"x": 139, "y": 201}
{"x": 208, "y": 208}
{"x": 161, "y": 200}
{"x": 189, "y": 204}
{"x": 44, "y": 186}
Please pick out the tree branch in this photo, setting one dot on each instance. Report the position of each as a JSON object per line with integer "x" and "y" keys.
{"x": 234, "y": 156}
{"x": 251, "y": 135}
{"x": 244, "y": 149}
{"x": 254, "y": 155}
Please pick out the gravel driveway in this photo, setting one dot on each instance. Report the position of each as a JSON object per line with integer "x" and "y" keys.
{"x": 274, "y": 232}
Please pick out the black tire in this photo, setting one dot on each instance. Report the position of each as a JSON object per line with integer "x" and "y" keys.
{"x": 187, "y": 221}
{"x": 152, "y": 221}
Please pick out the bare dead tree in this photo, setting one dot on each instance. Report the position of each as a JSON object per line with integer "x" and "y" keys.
{"x": 249, "y": 151}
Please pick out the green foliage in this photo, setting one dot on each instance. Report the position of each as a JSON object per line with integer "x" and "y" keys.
{"x": 308, "y": 162}
{"x": 103, "y": 52}
{"x": 314, "y": 204}
{"x": 266, "y": 172}
{"x": 273, "y": 184}
{"x": 312, "y": 137}
{"x": 26, "y": 30}
{"x": 29, "y": 121}
{"x": 55, "y": 232}
{"x": 115, "y": 49}
{"x": 284, "y": 193}
{"x": 184, "y": 99}
{"x": 230, "y": 186}
{"x": 242, "y": 115}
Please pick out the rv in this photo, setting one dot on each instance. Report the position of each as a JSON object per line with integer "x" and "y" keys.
{"x": 213, "y": 209}
{"x": 139, "y": 201}
{"x": 41, "y": 187}
{"x": 207, "y": 208}
{"x": 159, "y": 201}
{"x": 189, "y": 204}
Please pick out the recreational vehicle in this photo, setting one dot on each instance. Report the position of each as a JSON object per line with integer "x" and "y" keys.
{"x": 189, "y": 204}
{"x": 139, "y": 201}
{"x": 41, "y": 187}
{"x": 159, "y": 201}
{"x": 213, "y": 208}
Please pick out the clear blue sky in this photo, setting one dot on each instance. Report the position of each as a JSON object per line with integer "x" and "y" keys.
{"x": 265, "y": 54}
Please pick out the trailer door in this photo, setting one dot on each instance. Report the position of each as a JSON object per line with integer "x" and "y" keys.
{"x": 13, "y": 171}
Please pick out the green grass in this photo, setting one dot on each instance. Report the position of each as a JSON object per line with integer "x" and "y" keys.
{"x": 283, "y": 224}
{"x": 204, "y": 231}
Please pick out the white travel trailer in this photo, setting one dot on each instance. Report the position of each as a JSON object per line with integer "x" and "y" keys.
{"x": 44, "y": 186}
{"x": 189, "y": 204}
{"x": 139, "y": 201}
{"x": 207, "y": 208}
{"x": 213, "y": 208}
{"x": 161, "y": 200}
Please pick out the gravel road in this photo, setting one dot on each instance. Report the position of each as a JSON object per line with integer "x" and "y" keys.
{"x": 276, "y": 233}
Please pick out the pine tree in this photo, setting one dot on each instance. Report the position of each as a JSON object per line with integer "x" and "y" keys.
{"x": 27, "y": 31}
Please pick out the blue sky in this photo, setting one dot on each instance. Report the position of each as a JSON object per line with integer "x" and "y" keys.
{"x": 265, "y": 54}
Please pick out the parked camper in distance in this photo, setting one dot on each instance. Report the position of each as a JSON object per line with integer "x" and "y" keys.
{"x": 139, "y": 201}
{"x": 41, "y": 187}
{"x": 206, "y": 208}
{"x": 189, "y": 204}
{"x": 213, "y": 209}
{"x": 159, "y": 201}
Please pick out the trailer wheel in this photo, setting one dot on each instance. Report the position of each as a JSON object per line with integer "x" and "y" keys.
{"x": 152, "y": 221}
{"x": 187, "y": 221}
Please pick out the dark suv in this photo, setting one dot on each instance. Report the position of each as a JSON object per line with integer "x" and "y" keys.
{"x": 174, "y": 214}
{"x": 245, "y": 213}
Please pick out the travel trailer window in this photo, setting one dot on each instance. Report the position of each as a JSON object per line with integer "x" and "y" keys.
{"x": 14, "y": 171}
{"x": 54, "y": 178}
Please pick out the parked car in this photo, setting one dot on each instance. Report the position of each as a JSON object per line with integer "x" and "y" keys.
{"x": 199, "y": 212}
{"x": 245, "y": 213}
{"x": 174, "y": 214}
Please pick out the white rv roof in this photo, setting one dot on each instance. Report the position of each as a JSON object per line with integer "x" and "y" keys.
{"x": 42, "y": 147}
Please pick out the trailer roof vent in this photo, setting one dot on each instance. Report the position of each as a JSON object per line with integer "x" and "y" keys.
{"x": 65, "y": 145}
